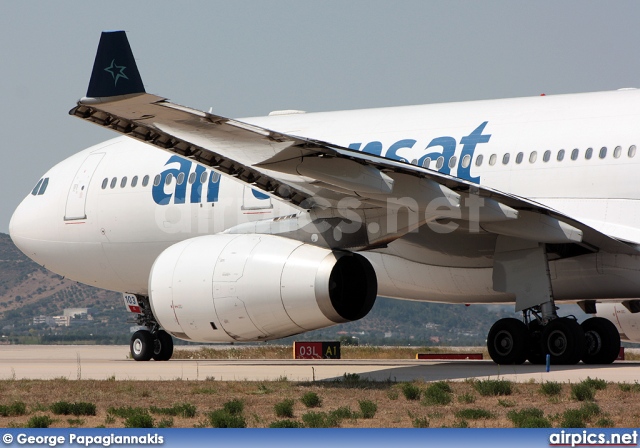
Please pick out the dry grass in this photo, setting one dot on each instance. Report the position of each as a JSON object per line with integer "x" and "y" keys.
{"x": 618, "y": 408}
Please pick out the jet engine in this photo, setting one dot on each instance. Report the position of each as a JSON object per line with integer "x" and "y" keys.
{"x": 224, "y": 288}
{"x": 624, "y": 315}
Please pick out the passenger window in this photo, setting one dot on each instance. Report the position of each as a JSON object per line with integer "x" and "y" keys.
{"x": 123, "y": 182}
{"x": 479, "y": 159}
{"x": 492, "y": 159}
{"x": 105, "y": 182}
{"x": 203, "y": 177}
{"x": 533, "y": 157}
{"x": 439, "y": 163}
{"x": 632, "y": 151}
{"x": 519, "y": 158}
{"x": 574, "y": 154}
{"x": 452, "y": 161}
{"x": 192, "y": 177}
{"x": 560, "y": 156}
{"x": 134, "y": 181}
{"x": 617, "y": 152}
{"x": 114, "y": 181}
{"x": 145, "y": 180}
{"x": 156, "y": 180}
{"x": 36, "y": 188}
{"x": 180, "y": 180}
{"x": 215, "y": 177}
{"x": 603, "y": 152}
{"x": 43, "y": 187}
{"x": 466, "y": 161}
{"x": 588, "y": 153}
{"x": 168, "y": 179}
{"x": 546, "y": 156}
{"x": 505, "y": 159}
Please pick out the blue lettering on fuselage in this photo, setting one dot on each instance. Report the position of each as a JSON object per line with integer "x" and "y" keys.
{"x": 440, "y": 147}
{"x": 180, "y": 170}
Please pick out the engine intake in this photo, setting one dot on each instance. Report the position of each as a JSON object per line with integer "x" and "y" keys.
{"x": 222, "y": 288}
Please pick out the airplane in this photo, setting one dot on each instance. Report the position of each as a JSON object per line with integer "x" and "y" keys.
{"x": 230, "y": 230}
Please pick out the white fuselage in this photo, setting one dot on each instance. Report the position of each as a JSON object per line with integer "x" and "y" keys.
{"x": 94, "y": 227}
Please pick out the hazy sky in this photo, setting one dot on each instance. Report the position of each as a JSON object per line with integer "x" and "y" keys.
{"x": 246, "y": 58}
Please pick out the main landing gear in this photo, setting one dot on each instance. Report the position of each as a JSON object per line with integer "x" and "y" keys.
{"x": 149, "y": 342}
{"x": 512, "y": 341}
{"x": 521, "y": 267}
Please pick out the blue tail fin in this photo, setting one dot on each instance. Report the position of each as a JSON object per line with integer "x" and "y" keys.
{"x": 114, "y": 70}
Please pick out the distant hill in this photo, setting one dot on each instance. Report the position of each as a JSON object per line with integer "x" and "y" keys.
{"x": 27, "y": 290}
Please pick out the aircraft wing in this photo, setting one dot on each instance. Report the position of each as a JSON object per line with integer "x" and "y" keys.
{"x": 307, "y": 173}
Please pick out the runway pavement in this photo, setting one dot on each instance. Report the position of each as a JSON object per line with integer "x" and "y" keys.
{"x": 104, "y": 362}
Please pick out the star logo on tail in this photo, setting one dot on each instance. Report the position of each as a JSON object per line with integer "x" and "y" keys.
{"x": 117, "y": 71}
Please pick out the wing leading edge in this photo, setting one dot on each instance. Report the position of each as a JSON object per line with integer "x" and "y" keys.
{"x": 312, "y": 174}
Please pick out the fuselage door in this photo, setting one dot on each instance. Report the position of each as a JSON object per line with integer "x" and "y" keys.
{"x": 77, "y": 198}
{"x": 255, "y": 201}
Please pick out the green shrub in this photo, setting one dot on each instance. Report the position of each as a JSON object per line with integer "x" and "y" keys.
{"x": 83, "y": 408}
{"x": 626, "y": 387}
{"x": 142, "y": 420}
{"x": 368, "y": 408}
{"x": 473, "y": 414}
{"x": 604, "y": 422}
{"x": 75, "y": 421}
{"x": 506, "y": 403}
{"x": 351, "y": 379}
{"x": 14, "y": 409}
{"x": 420, "y": 422}
{"x": 595, "y": 383}
{"x": 286, "y": 424}
{"x": 126, "y": 411}
{"x": 223, "y": 419}
{"x": 319, "y": 420}
{"x": 467, "y": 398}
{"x": 436, "y": 395}
{"x": 284, "y": 408}
{"x": 166, "y": 423}
{"x": 234, "y": 407}
{"x": 442, "y": 385}
{"x": 582, "y": 392}
{"x": 551, "y": 388}
{"x": 590, "y": 410}
{"x": 493, "y": 387}
{"x": 528, "y": 418}
{"x": 185, "y": 410}
{"x": 311, "y": 400}
{"x": 411, "y": 391}
{"x": 572, "y": 418}
{"x": 39, "y": 421}
{"x": 61, "y": 408}
{"x": 342, "y": 413}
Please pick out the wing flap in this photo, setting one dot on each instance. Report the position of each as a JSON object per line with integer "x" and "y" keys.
{"x": 257, "y": 155}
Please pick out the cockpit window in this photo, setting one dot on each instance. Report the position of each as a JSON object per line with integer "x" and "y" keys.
{"x": 43, "y": 187}
{"x": 36, "y": 188}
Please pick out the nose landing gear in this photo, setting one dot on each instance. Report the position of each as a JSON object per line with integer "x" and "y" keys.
{"x": 145, "y": 345}
{"x": 149, "y": 342}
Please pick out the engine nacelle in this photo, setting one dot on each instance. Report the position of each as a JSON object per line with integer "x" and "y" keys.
{"x": 222, "y": 288}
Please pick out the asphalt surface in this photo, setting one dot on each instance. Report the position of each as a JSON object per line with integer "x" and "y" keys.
{"x": 105, "y": 362}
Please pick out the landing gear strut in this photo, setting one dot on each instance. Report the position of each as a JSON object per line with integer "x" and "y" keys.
{"x": 150, "y": 342}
